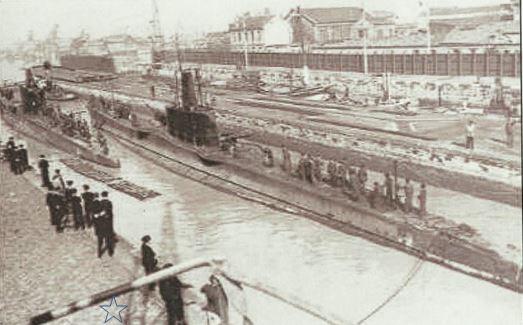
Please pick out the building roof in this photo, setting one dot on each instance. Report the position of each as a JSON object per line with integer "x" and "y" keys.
{"x": 330, "y": 15}
{"x": 336, "y": 15}
{"x": 415, "y": 40}
{"x": 443, "y": 11}
{"x": 484, "y": 34}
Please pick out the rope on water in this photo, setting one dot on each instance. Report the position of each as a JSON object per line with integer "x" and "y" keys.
{"x": 292, "y": 301}
{"x": 410, "y": 276}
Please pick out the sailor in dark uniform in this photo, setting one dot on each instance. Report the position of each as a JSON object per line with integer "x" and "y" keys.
{"x": 10, "y": 149}
{"x": 76, "y": 204}
{"x": 88, "y": 198}
{"x": 171, "y": 293}
{"x": 51, "y": 201}
{"x": 99, "y": 231}
{"x": 106, "y": 208}
{"x": 149, "y": 260}
{"x": 24, "y": 157}
{"x": 20, "y": 155}
{"x": 61, "y": 209}
{"x": 43, "y": 165}
{"x": 68, "y": 194}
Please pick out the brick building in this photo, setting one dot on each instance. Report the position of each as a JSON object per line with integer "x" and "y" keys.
{"x": 332, "y": 25}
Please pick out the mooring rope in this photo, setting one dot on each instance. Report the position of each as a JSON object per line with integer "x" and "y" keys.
{"x": 410, "y": 276}
{"x": 290, "y": 300}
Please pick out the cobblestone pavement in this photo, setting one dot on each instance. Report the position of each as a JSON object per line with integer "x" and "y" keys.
{"x": 41, "y": 269}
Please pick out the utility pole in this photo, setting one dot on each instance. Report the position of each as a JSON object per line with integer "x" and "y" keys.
{"x": 429, "y": 36}
{"x": 425, "y": 16}
{"x": 246, "y": 52}
{"x": 365, "y": 31}
{"x": 365, "y": 59}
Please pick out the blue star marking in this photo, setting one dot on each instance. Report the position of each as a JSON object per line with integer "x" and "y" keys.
{"x": 113, "y": 310}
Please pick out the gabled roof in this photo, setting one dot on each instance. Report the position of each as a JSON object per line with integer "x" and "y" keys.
{"x": 329, "y": 15}
{"x": 438, "y": 11}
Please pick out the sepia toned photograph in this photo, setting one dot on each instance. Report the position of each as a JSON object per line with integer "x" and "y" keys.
{"x": 275, "y": 162}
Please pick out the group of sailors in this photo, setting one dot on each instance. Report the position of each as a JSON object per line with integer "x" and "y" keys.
{"x": 71, "y": 124}
{"x": 353, "y": 181}
{"x": 17, "y": 156}
{"x": 84, "y": 210}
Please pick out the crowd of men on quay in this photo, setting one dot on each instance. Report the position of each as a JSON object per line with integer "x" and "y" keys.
{"x": 353, "y": 181}
{"x": 69, "y": 208}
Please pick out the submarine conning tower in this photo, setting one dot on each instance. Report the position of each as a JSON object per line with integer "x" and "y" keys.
{"x": 33, "y": 98}
{"x": 190, "y": 121}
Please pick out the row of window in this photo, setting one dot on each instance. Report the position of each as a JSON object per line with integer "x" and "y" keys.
{"x": 342, "y": 32}
{"x": 253, "y": 36}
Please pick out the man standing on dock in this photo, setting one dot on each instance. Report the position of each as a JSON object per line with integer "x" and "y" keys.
{"x": 149, "y": 260}
{"x": 106, "y": 207}
{"x": 43, "y": 165}
{"x": 10, "y": 151}
{"x": 88, "y": 198}
{"x": 171, "y": 293}
{"x": 51, "y": 200}
{"x": 76, "y": 203}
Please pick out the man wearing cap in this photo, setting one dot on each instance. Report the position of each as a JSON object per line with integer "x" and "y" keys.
{"x": 106, "y": 212}
{"x": 149, "y": 260}
{"x": 18, "y": 160}
{"x": 88, "y": 198}
{"x": 24, "y": 158}
{"x": 76, "y": 205}
{"x": 43, "y": 165}
{"x": 10, "y": 150}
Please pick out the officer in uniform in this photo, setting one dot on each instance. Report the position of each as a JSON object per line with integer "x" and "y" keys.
{"x": 106, "y": 212}
{"x": 88, "y": 198}
{"x": 10, "y": 151}
{"x": 171, "y": 293}
{"x": 43, "y": 165}
{"x": 149, "y": 260}
{"x": 76, "y": 204}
